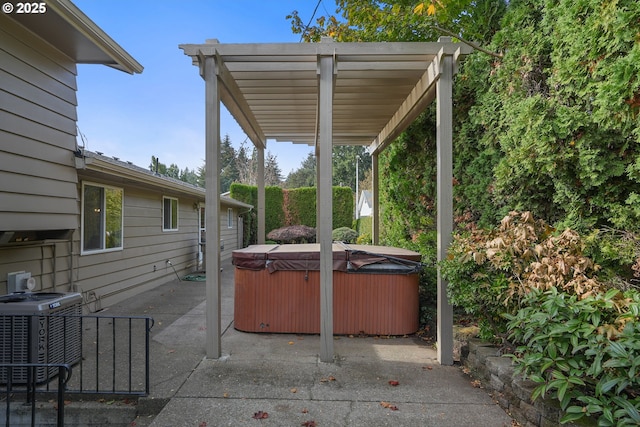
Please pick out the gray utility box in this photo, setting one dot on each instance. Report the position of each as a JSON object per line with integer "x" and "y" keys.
{"x": 39, "y": 327}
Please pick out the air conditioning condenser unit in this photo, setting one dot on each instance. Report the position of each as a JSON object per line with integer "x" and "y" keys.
{"x": 39, "y": 327}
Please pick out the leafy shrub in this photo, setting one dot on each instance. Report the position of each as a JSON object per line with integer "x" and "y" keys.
{"x": 293, "y": 234}
{"x": 491, "y": 271}
{"x": 342, "y": 207}
{"x": 274, "y": 208}
{"x": 364, "y": 239}
{"x": 618, "y": 252}
{"x": 584, "y": 352}
{"x": 344, "y": 234}
{"x": 301, "y": 206}
{"x": 363, "y": 225}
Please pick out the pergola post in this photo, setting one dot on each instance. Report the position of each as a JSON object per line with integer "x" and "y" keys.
{"x": 261, "y": 197}
{"x": 270, "y": 89}
{"x": 212, "y": 206}
{"x": 375, "y": 219}
{"x": 444, "y": 214}
{"x": 325, "y": 198}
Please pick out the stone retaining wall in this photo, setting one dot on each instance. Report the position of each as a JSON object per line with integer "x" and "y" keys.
{"x": 511, "y": 392}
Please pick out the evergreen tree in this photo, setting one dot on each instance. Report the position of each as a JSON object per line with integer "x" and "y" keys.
{"x": 228, "y": 165}
{"x": 344, "y": 165}
{"x": 201, "y": 177}
{"x": 272, "y": 172}
{"x": 246, "y": 164}
{"x": 305, "y": 175}
{"x": 173, "y": 171}
{"x": 157, "y": 167}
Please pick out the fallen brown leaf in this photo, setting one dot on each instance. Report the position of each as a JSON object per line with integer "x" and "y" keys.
{"x": 388, "y": 405}
{"x": 394, "y": 383}
{"x": 476, "y": 383}
{"x": 305, "y": 411}
{"x": 260, "y": 415}
{"x": 294, "y": 390}
{"x": 202, "y": 424}
{"x": 309, "y": 424}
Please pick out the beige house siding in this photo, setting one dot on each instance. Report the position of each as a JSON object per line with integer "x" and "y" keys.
{"x": 105, "y": 278}
{"x": 42, "y": 173}
{"x": 230, "y": 237}
{"x": 37, "y": 133}
{"x": 48, "y": 262}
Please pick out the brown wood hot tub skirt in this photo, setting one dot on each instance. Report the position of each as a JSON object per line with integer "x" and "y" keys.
{"x": 375, "y": 289}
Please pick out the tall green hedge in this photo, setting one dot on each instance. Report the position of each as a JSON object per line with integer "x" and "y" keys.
{"x": 301, "y": 207}
{"x": 363, "y": 225}
{"x": 290, "y": 207}
{"x": 342, "y": 207}
{"x": 274, "y": 208}
{"x": 247, "y": 194}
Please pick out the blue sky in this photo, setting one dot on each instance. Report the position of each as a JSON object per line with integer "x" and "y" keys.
{"x": 161, "y": 111}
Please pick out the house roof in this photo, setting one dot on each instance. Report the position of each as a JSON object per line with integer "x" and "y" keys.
{"x": 106, "y": 167}
{"x": 366, "y": 197}
{"x": 379, "y": 88}
{"x": 71, "y": 31}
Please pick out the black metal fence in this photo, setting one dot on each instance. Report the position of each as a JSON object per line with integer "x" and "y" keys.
{"x": 100, "y": 355}
{"x": 25, "y": 413}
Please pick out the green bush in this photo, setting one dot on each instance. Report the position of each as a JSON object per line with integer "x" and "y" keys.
{"x": 618, "y": 253}
{"x": 301, "y": 206}
{"x": 290, "y": 207}
{"x": 274, "y": 208}
{"x": 570, "y": 332}
{"x": 364, "y": 239}
{"x": 247, "y": 194}
{"x": 342, "y": 207}
{"x": 363, "y": 225}
{"x": 344, "y": 234}
{"x": 491, "y": 271}
{"x": 584, "y": 352}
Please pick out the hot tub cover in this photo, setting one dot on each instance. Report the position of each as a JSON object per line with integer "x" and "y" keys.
{"x": 347, "y": 258}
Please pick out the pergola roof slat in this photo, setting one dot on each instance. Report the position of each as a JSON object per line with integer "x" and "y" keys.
{"x": 374, "y": 85}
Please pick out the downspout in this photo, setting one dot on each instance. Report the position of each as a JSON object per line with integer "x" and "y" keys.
{"x": 72, "y": 286}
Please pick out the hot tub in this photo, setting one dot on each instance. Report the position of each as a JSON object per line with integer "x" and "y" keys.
{"x": 375, "y": 289}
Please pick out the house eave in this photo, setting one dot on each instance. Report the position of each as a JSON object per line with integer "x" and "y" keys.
{"x": 97, "y": 165}
{"x": 127, "y": 173}
{"x": 68, "y": 29}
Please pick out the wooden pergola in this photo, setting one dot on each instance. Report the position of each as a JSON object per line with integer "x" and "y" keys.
{"x": 326, "y": 94}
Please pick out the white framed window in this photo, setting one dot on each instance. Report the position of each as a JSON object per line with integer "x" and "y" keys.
{"x": 229, "y": 218}
{"x": 169, "y": 214}
{"x": 102, "y": 218}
